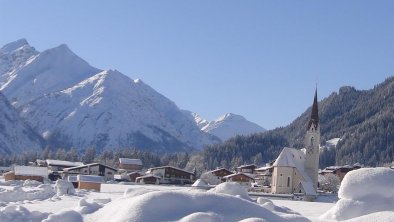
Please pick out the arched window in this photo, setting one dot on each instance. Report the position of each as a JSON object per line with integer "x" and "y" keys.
{"x": 288, "y": 181}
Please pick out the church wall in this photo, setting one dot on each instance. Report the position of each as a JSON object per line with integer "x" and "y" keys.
{"x": 282, "y": 178}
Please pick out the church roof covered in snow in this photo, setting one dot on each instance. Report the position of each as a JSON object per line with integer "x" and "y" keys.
{"x": 290, "y": 157}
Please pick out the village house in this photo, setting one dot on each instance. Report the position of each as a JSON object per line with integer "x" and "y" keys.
{"x": 241, "y": 178}
{"x": 97, "y": 169}
{"x": 264, "y": 175}
{"x": 129, "y": 165}
{"x": 27, "y": 173}
{"x": 215, "y": 177}
{"x": 59, "y": 165}
{"x": 90, "y": 182}
{"x": 172, "y": 175}
{"x": 246, "y": 168}
{"x": 339, "y": 171}
{"x": 296, "y": 171}
{"x": 148, "y": 179}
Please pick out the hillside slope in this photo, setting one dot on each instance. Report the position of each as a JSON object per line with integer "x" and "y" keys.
{"x": 363, "y": 119}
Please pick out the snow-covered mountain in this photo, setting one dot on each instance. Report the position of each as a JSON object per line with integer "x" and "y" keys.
{"x": 72, "y": 104}
{"x": 109, "y": 110}
{"x": 26, "y": 74}
{"x": 15, "y": 135}
{"x": 227, "y": 126}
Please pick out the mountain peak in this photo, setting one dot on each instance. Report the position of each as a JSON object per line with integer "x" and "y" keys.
{"x": 230, "y": 116}
{"x": 12, "y": 46}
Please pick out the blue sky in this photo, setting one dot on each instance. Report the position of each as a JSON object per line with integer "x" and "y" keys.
{"x": 260, "y": 59}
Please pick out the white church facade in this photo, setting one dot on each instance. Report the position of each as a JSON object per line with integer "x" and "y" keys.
{"x": 295, "y": 170}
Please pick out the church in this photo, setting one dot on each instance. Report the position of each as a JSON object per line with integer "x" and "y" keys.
{"x": 295, "y": 170}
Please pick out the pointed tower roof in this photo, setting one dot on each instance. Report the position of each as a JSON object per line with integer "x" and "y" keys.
{"x": 315, "y": 113}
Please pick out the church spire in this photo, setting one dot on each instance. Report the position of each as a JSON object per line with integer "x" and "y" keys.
{"x": 315, "y": 113}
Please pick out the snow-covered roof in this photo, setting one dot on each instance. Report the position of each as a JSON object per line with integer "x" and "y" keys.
{"x": 263, "y": 168}
{"x": 90, "y": 178}
{"x": 290, "y": 157}
{"x": 130, "y": 161}
{"x": 247, "y": 166}
{"x": 235, "y": 174}
{"x": 148, "y": 176}
{"x": 63, "y": 163}
{"x": 216, "y": 170}
{"x": 31, "y": 171}
{"x": 88, "y": 165}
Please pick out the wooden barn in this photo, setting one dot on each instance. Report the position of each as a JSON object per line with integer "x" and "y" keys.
{"x": 241, "y": 178}
{"x": 90, "y": 182}
{"x": 27, "y": 173}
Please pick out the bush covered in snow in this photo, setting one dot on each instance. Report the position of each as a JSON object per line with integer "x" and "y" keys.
{"x": 63, "y": 187}
{"x": 362, "y": 192}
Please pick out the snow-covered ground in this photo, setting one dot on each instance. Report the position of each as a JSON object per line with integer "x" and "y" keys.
{"x": 31, "y": 201}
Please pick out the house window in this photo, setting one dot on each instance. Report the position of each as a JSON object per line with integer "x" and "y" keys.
{"x": 288, "y": 181}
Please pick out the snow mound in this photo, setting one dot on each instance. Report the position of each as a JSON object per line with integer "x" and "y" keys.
{"x": 358, "y": 184}
{"x": 200, "y": 183}
{"x": 42, "y": 192}
{"x": 85, "y": 207}
{"x": 31, "y": 183}
{"x": 184, "y": 206}
{"x": 231, "y": 188}
{"x": 201, "y": 216}
{"x": 262, "y": 200}
{"x": 64, "y": 187}
{"x": 364, "y": 191}
{"x": 65, "y": 216}
{"x": 19, "y": 213}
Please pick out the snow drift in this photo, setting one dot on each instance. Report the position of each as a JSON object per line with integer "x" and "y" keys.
{"x": 364, "y": 191}
{"x": 187, "y": 206}
{"x": 41, "y": 192}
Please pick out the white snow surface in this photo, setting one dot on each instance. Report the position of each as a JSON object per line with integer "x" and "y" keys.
{"x": 18, "y": 193}
{"x": 228, "y": 125}
{"x": 231, "y": 188}
{"x": 362, "y": 192}
{"x": 148, "y": 205}
{"x": 176, "y": 203}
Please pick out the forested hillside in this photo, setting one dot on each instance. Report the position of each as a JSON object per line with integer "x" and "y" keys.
{"x": 363, "y": 119}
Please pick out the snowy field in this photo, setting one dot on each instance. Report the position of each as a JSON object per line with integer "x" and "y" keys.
{"x": 33, "y": 201}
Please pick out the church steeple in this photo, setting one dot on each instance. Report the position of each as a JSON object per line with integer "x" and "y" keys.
{"x": 315, "y": 113}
